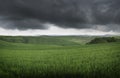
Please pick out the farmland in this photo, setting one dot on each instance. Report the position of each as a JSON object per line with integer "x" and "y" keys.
{"x": 58, "y": 57}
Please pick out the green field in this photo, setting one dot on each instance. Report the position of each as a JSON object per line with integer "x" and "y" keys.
{"x": 58, "y": 57}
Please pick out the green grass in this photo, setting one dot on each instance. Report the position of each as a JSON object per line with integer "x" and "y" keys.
{"x": 19, "y": 60}
{"x": 48, "y": 40}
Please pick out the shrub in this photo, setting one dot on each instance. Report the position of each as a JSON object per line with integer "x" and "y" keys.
{"x": 104, "y": 40}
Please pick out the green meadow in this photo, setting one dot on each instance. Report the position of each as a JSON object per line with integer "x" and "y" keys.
{"x": 58, "y": 57}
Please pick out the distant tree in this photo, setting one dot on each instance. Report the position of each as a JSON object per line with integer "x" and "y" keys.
{"x": 103, "y": 40}
{"x": 112, "y": 39}
{"x": 97, "y": 40}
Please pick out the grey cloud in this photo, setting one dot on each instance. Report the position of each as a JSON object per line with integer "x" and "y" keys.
{"x": 107, "y": 27}
{"x": 33, "y": 14}
{"x": 21, "y": 23}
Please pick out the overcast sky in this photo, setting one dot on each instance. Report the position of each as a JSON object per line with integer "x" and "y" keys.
{"x": 59, "y": 17}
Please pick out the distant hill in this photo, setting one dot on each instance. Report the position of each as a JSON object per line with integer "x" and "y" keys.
{"x": 43, "y": 40}
{"x": 55, "y": 40}
{"x": 104, "y": 40}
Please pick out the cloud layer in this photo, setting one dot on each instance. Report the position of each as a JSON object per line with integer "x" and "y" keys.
{"x": 101, "y": 15}
{"x": 55, "y": 31}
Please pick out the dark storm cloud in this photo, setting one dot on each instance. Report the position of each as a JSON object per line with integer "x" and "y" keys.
{"x": 21, "y": 23}
{"x": 33, "y": 14}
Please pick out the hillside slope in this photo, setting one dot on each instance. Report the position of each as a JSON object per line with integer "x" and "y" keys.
{"x": 44, "y": 40}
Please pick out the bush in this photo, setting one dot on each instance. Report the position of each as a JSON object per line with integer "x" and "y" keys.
{"x": 104, "y": 40}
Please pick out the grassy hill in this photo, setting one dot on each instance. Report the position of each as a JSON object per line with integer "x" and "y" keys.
{"x": 51, "y": 40}
{"x": 38, "y": 59}
{"x": 104, "y": 40}
{"x": 44, "y": 40}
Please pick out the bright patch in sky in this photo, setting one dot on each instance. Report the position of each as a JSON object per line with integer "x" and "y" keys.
{"x": 54, "y": 30}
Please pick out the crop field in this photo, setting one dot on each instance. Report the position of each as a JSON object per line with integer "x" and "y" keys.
{"x": 58, "y": 57}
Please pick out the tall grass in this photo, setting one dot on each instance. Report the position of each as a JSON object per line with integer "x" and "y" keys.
{"x": 54, "y": 61}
